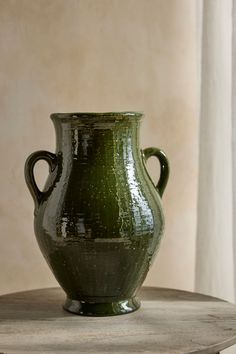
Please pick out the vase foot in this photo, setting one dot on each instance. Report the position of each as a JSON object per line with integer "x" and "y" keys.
{"x": 85, "y": 308}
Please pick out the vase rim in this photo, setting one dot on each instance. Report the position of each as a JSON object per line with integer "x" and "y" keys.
{"x": 98, "y": 115}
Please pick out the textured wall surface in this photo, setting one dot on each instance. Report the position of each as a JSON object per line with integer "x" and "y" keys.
{"x": 97, "y": 55}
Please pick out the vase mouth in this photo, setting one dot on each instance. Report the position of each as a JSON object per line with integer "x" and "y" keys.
{"x": 97, "y": 116}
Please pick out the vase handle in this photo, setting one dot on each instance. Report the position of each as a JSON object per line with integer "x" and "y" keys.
{"x": 51, "y": 159}
{"x": 164, "y": 166}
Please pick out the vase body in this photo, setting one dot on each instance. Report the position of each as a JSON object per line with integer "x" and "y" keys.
{"x": 98, "y": 220}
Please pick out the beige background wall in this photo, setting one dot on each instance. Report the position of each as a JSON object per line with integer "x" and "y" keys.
{"x": 97, "y": 55}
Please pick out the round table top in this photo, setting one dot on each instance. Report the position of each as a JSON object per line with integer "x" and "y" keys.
{"x": 169, "y": 321}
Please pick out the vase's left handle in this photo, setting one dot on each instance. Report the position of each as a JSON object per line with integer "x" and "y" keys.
{"x": 47, "y": 156}
{"x": 164, "y": 167}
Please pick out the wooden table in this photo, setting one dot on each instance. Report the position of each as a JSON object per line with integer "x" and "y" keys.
{"x": 169, "y": 321}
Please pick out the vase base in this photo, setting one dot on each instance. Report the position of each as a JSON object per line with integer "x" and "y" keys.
{"x": 85, "y": 308}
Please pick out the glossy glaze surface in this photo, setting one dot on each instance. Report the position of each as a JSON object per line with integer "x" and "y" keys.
{"x": 99, "y": 219}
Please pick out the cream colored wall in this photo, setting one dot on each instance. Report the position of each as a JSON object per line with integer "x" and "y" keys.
{"x": 97, "y": 55}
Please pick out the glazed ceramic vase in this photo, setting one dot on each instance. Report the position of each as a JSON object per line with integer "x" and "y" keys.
{"x": 99, "y": 219}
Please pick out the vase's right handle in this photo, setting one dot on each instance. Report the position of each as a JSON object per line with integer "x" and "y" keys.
{"x": 164, "y": 167}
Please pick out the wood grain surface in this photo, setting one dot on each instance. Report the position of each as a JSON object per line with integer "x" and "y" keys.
{"x": 169, "y": 321}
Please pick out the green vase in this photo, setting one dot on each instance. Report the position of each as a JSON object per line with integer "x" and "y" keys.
{"x": 99, "y": 219}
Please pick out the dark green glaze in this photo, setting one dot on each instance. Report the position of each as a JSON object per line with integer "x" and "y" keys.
{"x": 99, "y": 219}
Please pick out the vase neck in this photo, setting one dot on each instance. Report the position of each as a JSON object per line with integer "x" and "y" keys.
{"x": 83, "y": 141}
